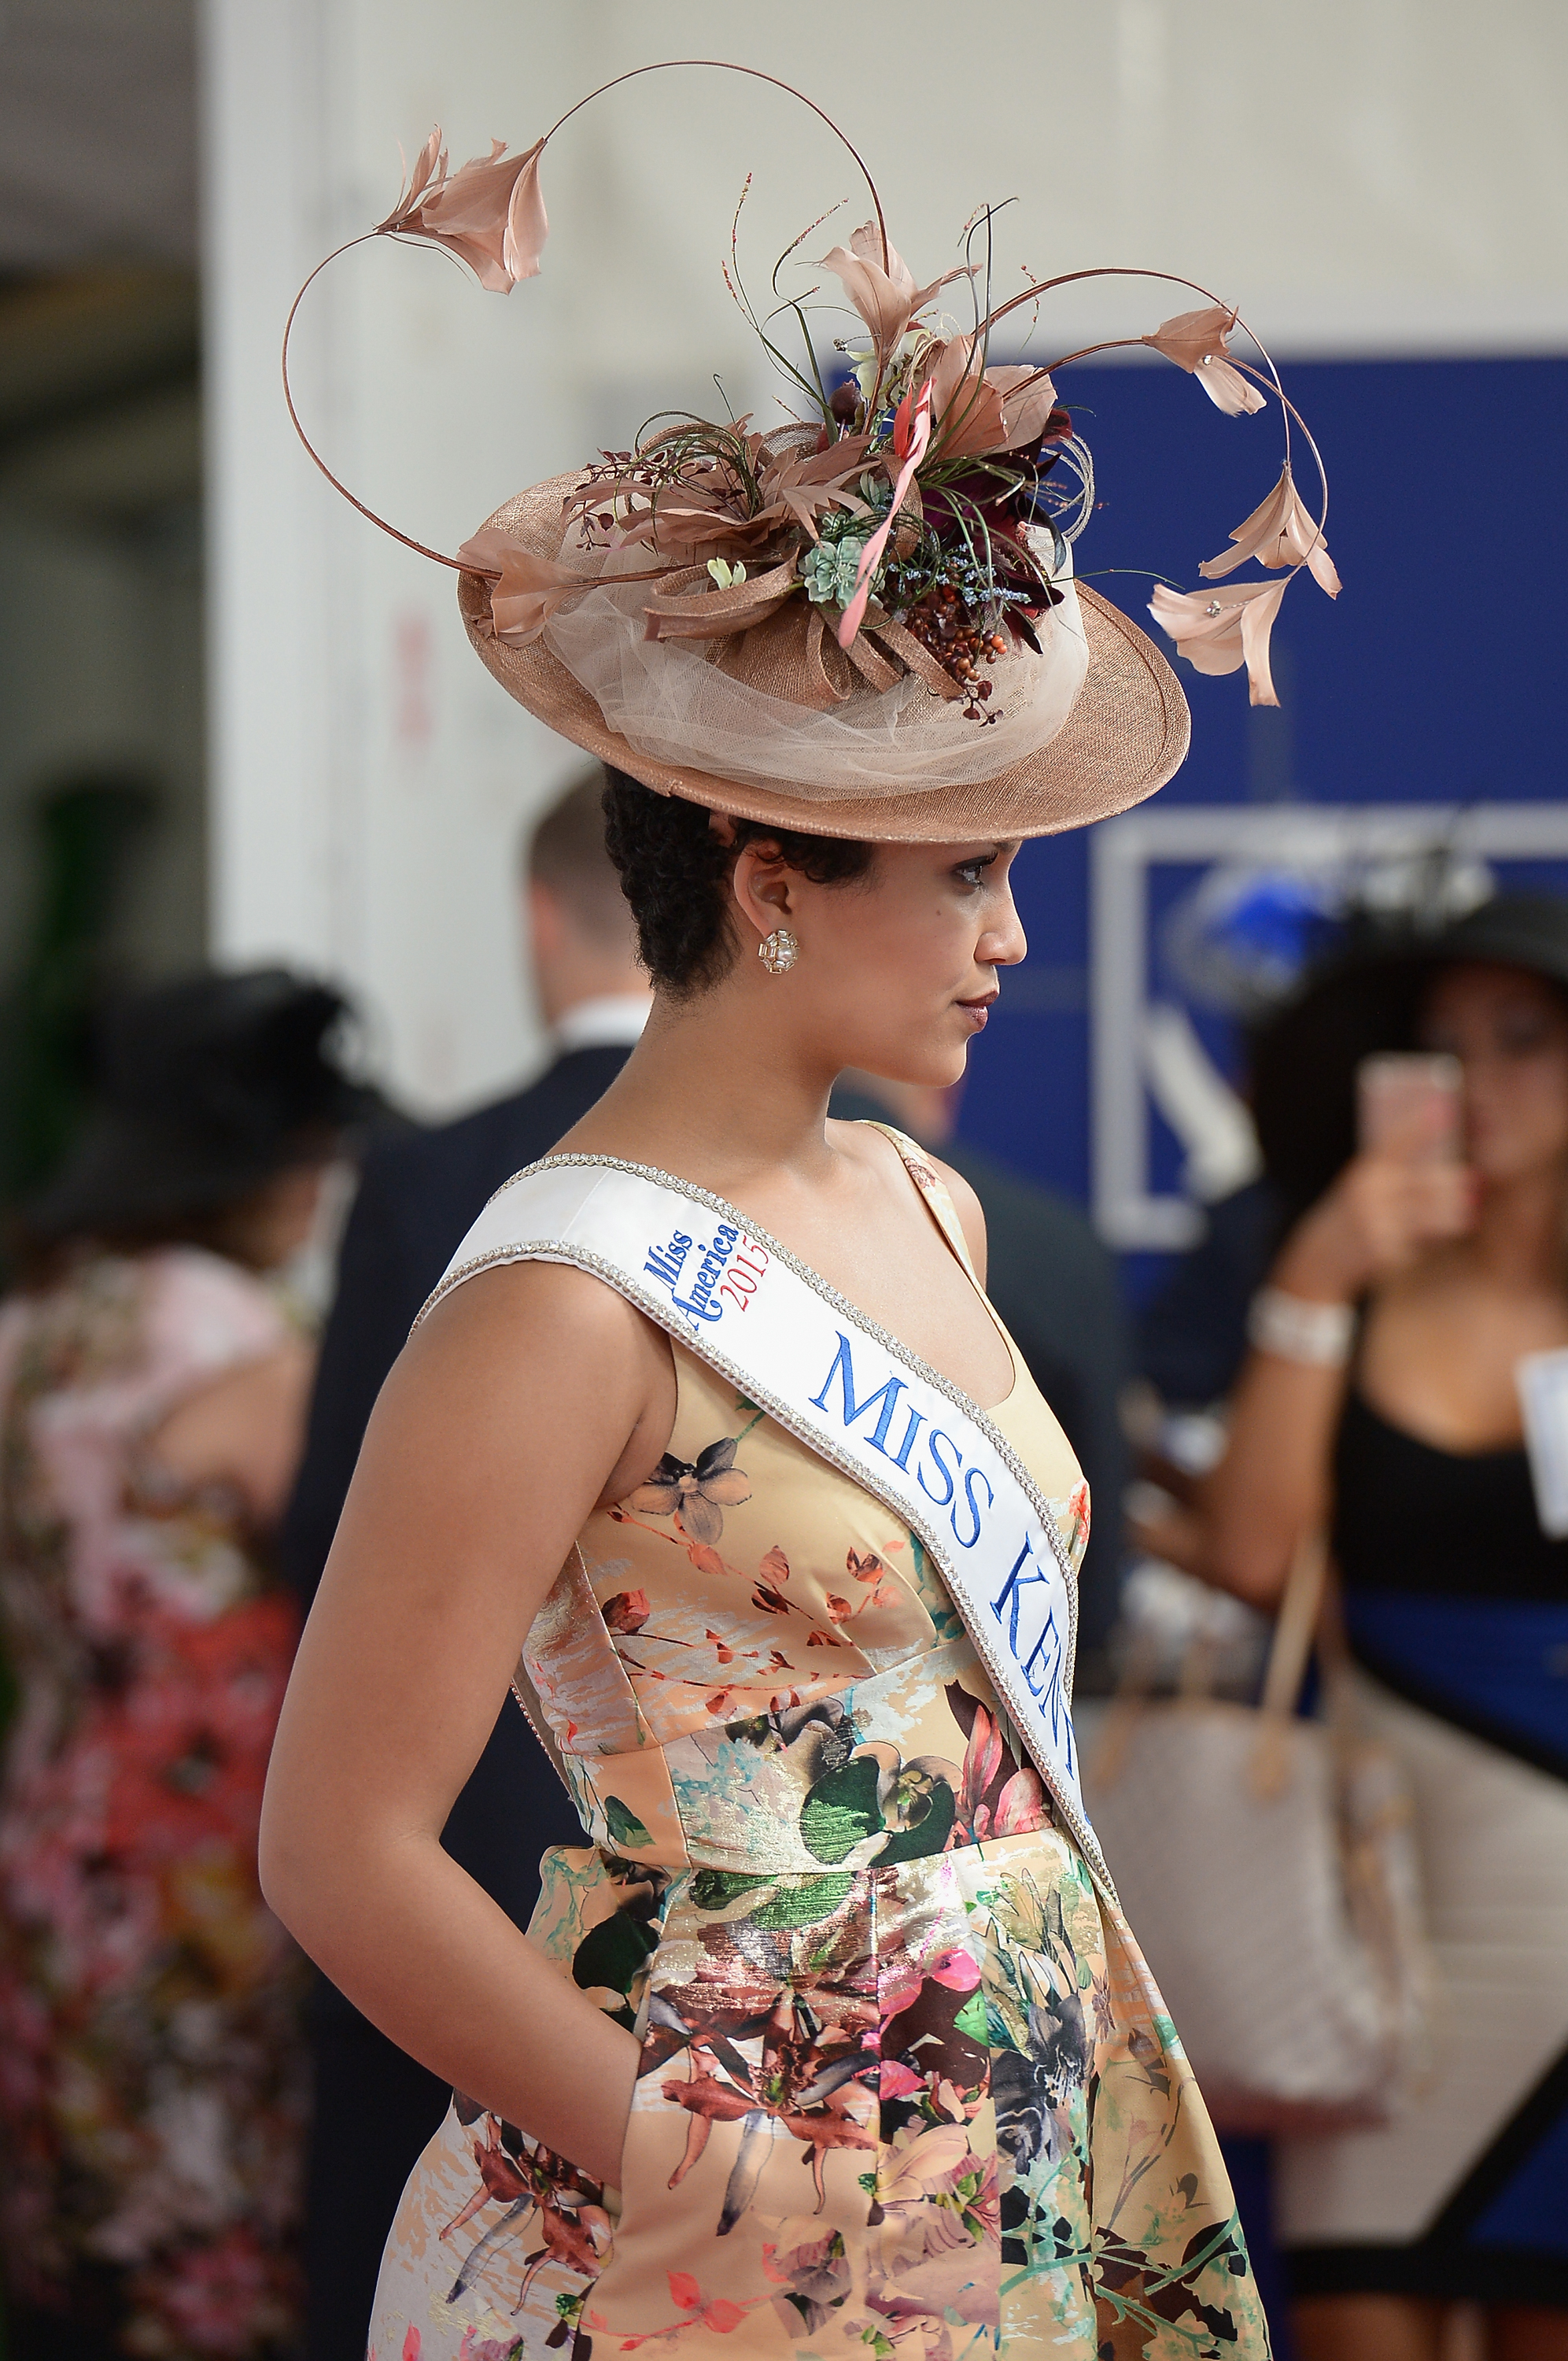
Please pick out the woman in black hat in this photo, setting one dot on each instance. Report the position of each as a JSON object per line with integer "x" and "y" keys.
{"x": 152, "y": 1396}
{"x": 1381, "y": 1394}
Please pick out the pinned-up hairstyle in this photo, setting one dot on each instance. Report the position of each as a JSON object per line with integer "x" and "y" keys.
{"x": 675, "y": 871}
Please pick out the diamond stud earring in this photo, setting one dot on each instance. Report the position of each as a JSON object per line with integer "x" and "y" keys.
{"x": 778, "y": 951}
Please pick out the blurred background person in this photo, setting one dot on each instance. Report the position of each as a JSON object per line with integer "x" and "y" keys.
{"x": 1381, "y": 1395}
{"x": 152, "y": 1399}
{"x": 1055, "y": 1287}
{"x": 417, "y": 1199}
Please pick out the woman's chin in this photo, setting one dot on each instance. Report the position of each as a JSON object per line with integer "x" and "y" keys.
{"x": 937, "y": 1068}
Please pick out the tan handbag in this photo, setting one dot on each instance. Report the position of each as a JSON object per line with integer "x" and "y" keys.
{"x": 1268, "y": 1865}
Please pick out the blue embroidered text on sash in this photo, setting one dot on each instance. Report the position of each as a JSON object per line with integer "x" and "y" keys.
{"x": 667, "y": 1263}
{"x": 1042, "y": 1663}
{"x": 1025, "y": 1610}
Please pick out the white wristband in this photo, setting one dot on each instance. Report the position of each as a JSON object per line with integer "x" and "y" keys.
{"x": 1318, "y": 1334}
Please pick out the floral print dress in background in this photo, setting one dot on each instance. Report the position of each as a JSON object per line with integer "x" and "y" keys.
{"x": 151, "y": 2107}
{"x": 906, "y": 2091}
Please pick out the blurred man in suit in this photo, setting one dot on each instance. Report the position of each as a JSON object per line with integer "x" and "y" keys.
{"x": 374, "y": 2107}
{"x": 1054, "y": 1289}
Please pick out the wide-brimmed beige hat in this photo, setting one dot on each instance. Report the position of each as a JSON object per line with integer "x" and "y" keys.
{"x": 1125, "y": 734}
{"x": 865, "y": 621}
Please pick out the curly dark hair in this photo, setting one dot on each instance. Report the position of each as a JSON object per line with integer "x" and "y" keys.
{"x": 674, "y": 872}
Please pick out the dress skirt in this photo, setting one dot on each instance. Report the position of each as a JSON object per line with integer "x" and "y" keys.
{"x": 927, "y": 2110}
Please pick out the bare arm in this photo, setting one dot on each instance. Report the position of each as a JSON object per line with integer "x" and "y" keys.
{"x": 528, "y": 1396}
{"x": 245, "y": 1428}
{"x": 1272, "y": 1485}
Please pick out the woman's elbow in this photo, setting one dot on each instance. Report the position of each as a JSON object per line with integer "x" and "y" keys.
{"x": 295, "y": 1859}
{"x": 1250, "y": 1565}
{"x": 1227, "y": 1551}
{"x": 332, "y": 1864}
{"x": 283, "y": 1864}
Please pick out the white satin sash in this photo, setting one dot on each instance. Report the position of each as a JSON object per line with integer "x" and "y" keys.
{"x": 792, "y": 1345}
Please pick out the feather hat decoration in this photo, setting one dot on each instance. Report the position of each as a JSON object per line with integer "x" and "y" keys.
{"x": 863, "y": 620}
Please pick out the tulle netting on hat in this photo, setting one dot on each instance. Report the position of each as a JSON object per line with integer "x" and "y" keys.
{"x": 672, "y": 704}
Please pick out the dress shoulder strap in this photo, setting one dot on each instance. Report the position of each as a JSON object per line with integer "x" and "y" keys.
{"x": 934, "y": 1189}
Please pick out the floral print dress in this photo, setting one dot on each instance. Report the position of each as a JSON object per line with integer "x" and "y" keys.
{"x": 152, "y": 2108}
{"x": 906, "y": 2088}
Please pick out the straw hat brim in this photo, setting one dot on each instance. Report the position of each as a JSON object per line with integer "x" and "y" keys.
{"x": 1127, "y": 732}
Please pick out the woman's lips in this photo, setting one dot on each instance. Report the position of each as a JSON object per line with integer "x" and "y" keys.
{"x": 979, "y": 1009}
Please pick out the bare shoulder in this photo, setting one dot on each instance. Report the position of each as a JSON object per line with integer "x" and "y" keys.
{"x": 242, "y": 1427}
{"x": 871, "y": 1144}
{"x": 542, "y": 1350}
{"x": 278, "y": 1378}
{"x": 513, "y": 1300}
{"x": 536, "y": 1322}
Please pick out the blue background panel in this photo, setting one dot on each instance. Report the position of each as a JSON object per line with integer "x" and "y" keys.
{"x": 1434, "y": 678}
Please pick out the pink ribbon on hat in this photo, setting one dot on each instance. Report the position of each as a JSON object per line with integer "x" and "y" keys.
{"x": 871, "y": 557}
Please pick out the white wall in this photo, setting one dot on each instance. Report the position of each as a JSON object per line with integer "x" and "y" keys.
{"x": 1362, "y": 176}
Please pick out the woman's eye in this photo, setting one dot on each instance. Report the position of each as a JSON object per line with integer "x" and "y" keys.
{"x": 972, "y": 873}
{"x": 1521, "y": 1036}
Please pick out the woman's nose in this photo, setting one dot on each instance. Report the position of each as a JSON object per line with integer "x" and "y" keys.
{"x": 1005, "y": 943}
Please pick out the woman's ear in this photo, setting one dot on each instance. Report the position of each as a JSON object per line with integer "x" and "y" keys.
{"x": 765, "y": 891}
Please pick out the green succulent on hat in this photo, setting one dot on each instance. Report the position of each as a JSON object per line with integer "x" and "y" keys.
{"x": 828, "y": 569}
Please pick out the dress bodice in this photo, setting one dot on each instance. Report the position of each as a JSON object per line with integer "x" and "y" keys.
{"x": 750, "y": 1664}
{"x": 903, "y": 2078}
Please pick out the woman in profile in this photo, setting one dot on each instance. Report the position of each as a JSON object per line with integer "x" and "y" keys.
{"x": 830, "y": 2031}
{"x": 153, "y": 1387}
{"x": 830, "y": 2039}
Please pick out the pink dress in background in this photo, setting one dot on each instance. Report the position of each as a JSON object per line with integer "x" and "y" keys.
{"x": 151, "y": 2100}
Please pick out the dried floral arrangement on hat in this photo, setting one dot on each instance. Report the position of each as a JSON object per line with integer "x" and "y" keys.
{"x": 813, "y": 608}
